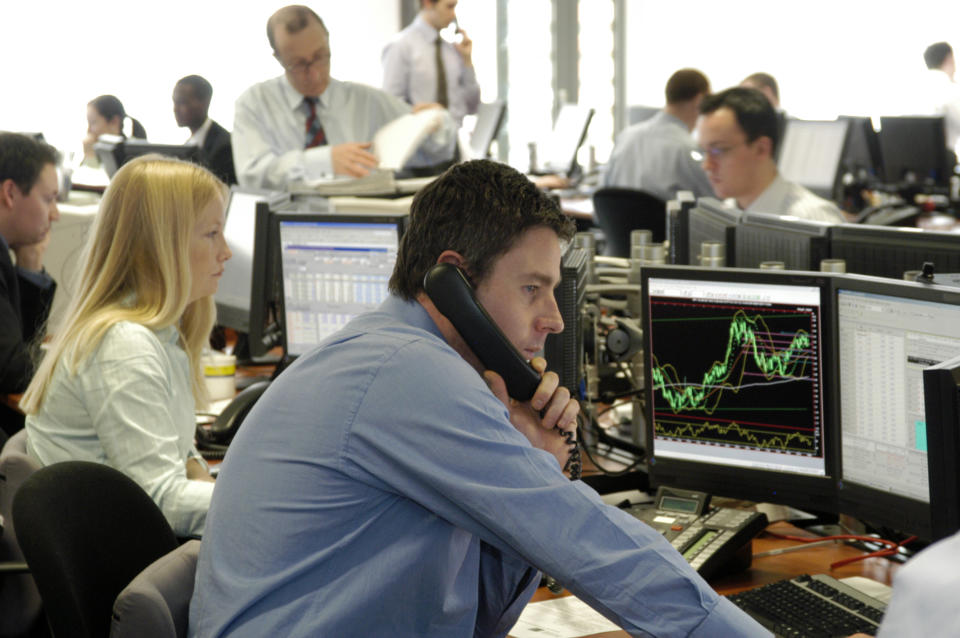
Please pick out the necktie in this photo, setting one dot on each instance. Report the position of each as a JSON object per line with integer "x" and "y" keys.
{"x": 441, "y": 75}
{"x": 315, "y": 134}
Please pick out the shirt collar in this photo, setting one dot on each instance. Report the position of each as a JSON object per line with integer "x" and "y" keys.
{"x": 770, "y": 200}
{"x": 411, "y": 313}
{"x": 423, "y": 28}
{"x": 294, "y": 99}
{"x": 201, "y": 135}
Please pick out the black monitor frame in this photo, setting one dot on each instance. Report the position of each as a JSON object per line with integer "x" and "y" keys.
{"x": 398, "y": 219}
{"x": 914, "y": 151}
{"x": 799, "y": 243}
{"x": 941, "y": 391}
{"x": 678, "y": 226}
{"x": 712, "y": 220}
{"x": 136, "y": 148}
{"x": 887, "y": 251}
{"x": 862, "y": 158}
{"x": 813, "y": 493}
{"x": 878, "y": 507}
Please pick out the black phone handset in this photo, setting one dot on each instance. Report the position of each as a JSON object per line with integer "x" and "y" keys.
{"x": 450, "y": 291}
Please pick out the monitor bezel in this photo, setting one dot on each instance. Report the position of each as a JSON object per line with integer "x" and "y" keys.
{"x": 895, "y": 239}
{"x": 379, "y": 217}
{"x": 813, "y": 234}
{"x": 827, "y": 192}
{"x": 810, "y": 493}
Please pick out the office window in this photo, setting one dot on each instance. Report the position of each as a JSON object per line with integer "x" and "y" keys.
{"x": 596, "y": 74}
{"x": 529, "y": 76}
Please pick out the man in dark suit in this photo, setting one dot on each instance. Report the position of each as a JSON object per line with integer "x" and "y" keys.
{"x": 28, "y": 206}
{"x": 191, "y": 101}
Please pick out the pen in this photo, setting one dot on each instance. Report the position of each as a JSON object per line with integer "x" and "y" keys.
{"x": 792, "y": 548}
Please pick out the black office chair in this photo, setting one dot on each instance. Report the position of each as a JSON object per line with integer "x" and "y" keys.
{"x": 86, "y": 530}
{"x": 620, "y": 210}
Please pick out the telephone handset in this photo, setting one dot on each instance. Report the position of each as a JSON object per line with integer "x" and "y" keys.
{"x": 450, "y": 291}
{"x": 213, "y": 439}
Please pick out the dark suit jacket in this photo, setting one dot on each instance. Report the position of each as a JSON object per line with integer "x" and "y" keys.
{"x": 24, "y": 307}
{"x": 217, "y": 153}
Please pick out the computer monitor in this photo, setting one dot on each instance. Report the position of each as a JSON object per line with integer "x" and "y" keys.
{"x": 861, "y": 156}
{"x": 246, "y": 294}
{"x": 559, "y": 153}
{"x": 638, "y": 113}
{"x": 712, "y": 220}
{"x": 115, "y": 151}
{"x": 490, "y": 117}
{"x": 564, "y": 351}
{"x": 887, "y": 251}
{"x": 914, "y": 151}
{"x": 811, "y": 154}
{"x": 739, "y": 393}
{"x": 334, "y": 267}
{"x": 941, "y": 401}
{"x": 888, "y": 331}
{"x": 799, "y": 243}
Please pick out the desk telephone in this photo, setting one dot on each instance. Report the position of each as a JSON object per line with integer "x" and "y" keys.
{"x": 451, "y": 292}
{"x": 714, "y": 540}
{"x": 213, "y": 439}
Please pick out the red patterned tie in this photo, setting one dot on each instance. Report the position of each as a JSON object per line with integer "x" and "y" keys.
{"x": 315, "y": 134}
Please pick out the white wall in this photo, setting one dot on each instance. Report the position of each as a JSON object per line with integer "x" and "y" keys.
{"x": 830, "y": 57}
{"x": 59, "y": 54}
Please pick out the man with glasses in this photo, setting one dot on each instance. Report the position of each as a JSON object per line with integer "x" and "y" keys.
{"x": 656, "y": 155}
{"x": 305, "y": 125}
{"x": 738, "y": 136}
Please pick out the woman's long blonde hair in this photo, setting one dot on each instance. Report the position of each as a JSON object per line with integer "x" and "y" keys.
{"x": 136, "y": 267}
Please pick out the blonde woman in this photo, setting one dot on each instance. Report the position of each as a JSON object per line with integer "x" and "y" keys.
{"x": 121, "y": 378}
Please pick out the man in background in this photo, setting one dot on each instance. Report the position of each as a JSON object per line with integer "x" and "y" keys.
{"x": 656, "y": 155}
{"x": 28, "y": 206}
{"x": 420, "y": 66}
{"x": 305, "y": 125}
{"x": 738, "y": 133}
{"x": 941, "y": 93}
{"x": 191, "y": 103}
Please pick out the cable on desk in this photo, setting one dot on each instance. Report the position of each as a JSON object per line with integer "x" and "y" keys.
{"x": 892, "y": 547}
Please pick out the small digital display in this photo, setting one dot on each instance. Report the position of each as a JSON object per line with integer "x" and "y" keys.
{"x": 678, "y": 504}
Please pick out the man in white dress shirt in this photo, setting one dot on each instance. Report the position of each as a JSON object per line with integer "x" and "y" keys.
{"x": 413, "y": 61}
{"x": 737, "y": 131}
{"x": 940, "y": 91}
{"x": 305, "y": 125}
{"x": 656, "y": 155}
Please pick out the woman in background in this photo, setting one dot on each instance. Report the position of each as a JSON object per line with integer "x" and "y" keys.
{"x": 105, "y": 114}
{"x": 121, "y": 379}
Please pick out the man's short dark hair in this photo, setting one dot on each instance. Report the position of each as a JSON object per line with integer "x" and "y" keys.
{"x": 294, "y": 19}
{"x": 754, "y": 113}
{"x": 22, "y": 159}
{"x": 686, "y": 84}
{"x": 936, "y": 53}
{"x": 478, "y": 209}
{"x": 201, "y": 88}
{"x": 764, "y": 79}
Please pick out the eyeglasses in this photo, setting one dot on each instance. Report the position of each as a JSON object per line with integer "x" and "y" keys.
{"x": 715, "y": 153}
{"x": 301, "y": 67}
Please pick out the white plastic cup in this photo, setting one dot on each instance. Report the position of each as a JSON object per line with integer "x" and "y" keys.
{"x": 219, "y": 373}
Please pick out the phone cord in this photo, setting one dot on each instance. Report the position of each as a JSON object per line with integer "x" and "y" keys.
{"x": 573, "y": 460}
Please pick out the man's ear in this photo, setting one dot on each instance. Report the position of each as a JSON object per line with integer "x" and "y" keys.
{"x": 452, "y": 257}
{"x": 8, "y": 189}
{"x": 765, "y": 145}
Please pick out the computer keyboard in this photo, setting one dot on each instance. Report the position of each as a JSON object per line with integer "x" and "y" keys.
{"x": 811, "y": 607}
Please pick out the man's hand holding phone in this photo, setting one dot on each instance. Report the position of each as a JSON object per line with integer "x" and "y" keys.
{"x": 544, "y": 418}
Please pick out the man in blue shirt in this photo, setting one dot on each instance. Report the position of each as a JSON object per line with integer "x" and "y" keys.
{"x": 386, "y": 485}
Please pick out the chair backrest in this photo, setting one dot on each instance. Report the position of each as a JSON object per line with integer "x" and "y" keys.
{"x": 86, "y": 530}
{"x": 157, "y": 602}
{"x": 620, "y": 210}
{"x": 19, "y": 598}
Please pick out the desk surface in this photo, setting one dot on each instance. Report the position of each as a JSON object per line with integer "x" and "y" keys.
{"x": 768, "y": 569}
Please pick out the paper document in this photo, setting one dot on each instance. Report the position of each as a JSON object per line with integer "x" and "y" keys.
{"x": 378, "y": 182}
{"x": 566, "y": 617}
{"x": 398, "y": 140}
